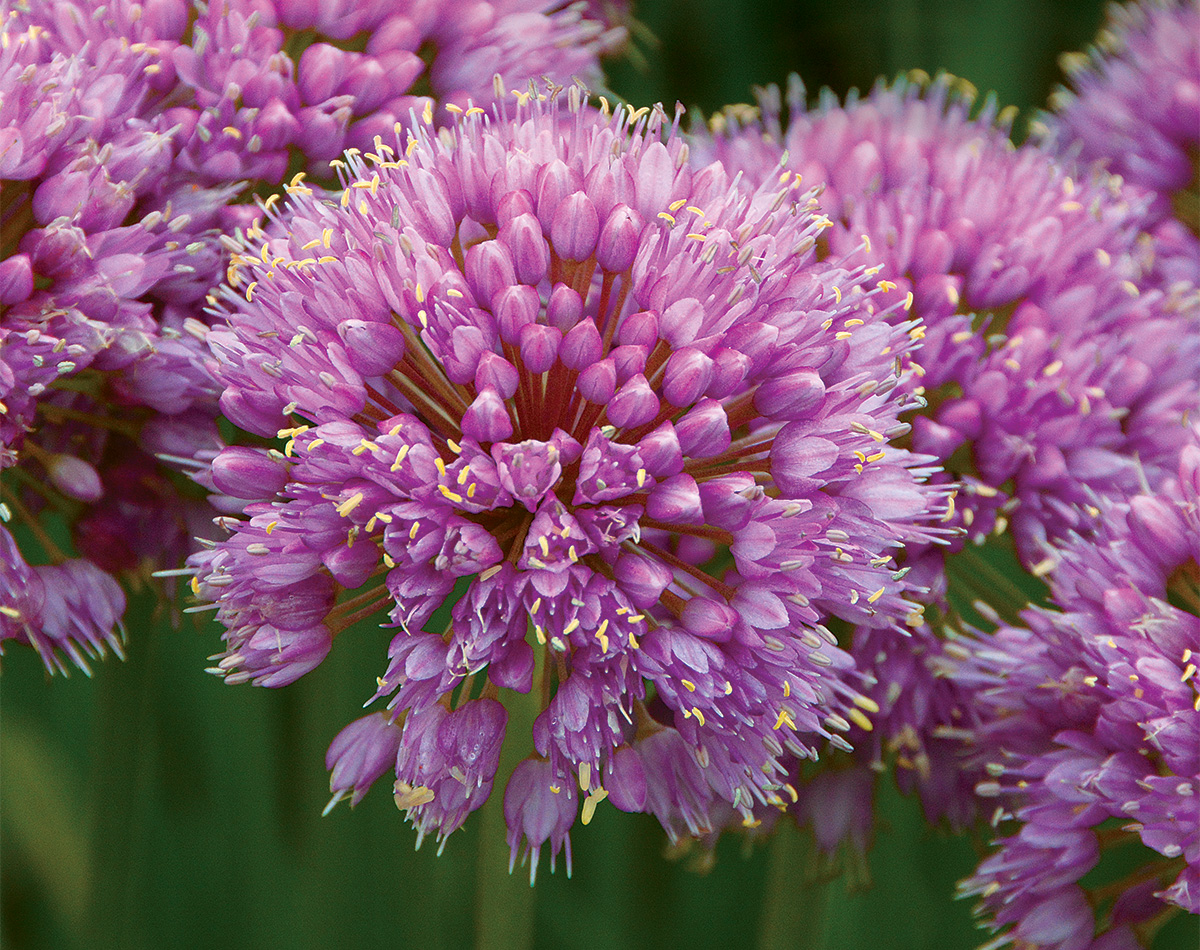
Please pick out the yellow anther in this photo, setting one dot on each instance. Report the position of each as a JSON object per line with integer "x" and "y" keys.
{"x": 571, "y": 627}
{"x": 787, "y": 689}
{"x": 412, "y": 532}
{"x": 590, "y": 803}
{"x": 641, "y": 477}
{"x": 669, "y": 218}
{"x": 464, "y": 474}
{"x": 349, "y": 504}
{"x": 860, "y": 720}
{"x": 908, "y": 300}
{"x": 674, "y": 206}
{"x": 689, "y": 685}
{"x": 784, "y": 719}
{"x": 875, "y": 596}
{"x": 451, "y": 495}
{"x": 308, "y": 245}
{"x": 195, "y": 585}
{"x": 867, "y": 703}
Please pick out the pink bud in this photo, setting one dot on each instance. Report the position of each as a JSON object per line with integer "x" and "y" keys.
{"x": 489, "y": 270}
{"x": 795, "y": 395}
{"x": 686, "y": 376}
{"x": 634, "y": 404}
{"x": 531, "y": 257}
{"x": 539, "y": 346}
{"x": 372, "y": 349}
{"x": 643, "y": 578}
{"x": 575, "y": 228}
{"x": 75, "y": 478}
{"x": 619, "y": 240}
{"x": 565, "y": 308}
{"x": 704, "y": 431}
{"x": 498, "y": 373}
{"x": 487, "y": 418}
{"x": 711, "y": 619}
{"x": 598, "y": 382}
{"x": 582, "y": 346}
{"x": 249, "y": 473}
{"x": 661, "y": 453}
{"x": 516, "y": 308}
{"x": 676, "y": 501}
{"x": 639, "y": 329}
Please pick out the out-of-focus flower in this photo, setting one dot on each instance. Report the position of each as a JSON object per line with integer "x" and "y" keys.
{"x": 1091, "y": 712}
{"x": 1134, "y": 107}
{"x": 1048, "y": 375}
{"x": 608, "y": 407}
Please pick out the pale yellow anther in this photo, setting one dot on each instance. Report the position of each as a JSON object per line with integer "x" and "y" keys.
{"x": 1053, "y": 368}
{"x": 674, "y": 206}
{"x": 859, "y": 719}
{"x": 875, "y": 596}
{"x": 784, "y": 719}
{"x": 867, "y": 703}
{"x": 308, "y": 245}
{"x": 641, "y": 477}
{"x": 908, "y": 300}
{"x": 464, "y": 474}
{"x": 698, "y": 714}
{"x": 689, "y": 685}
{"x": 412, "y": 532}
{"x": 571, "y": 627}
{"x": 590, "y": 803}
{"x": 350, "y": 504}
{"x": 452, "y": 292}
{"x": 451, "y": 495}
{"x": 427, "y": 114}
{"x": 669, "y": 218}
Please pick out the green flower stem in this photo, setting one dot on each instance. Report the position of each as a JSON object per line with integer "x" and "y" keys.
{"x": 504, "y": 902}
{"x": 793, "y": 909}
{"x": 43, "y": 820}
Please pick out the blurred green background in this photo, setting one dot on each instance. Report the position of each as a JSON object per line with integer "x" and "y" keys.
{"x": 154, "y": 807}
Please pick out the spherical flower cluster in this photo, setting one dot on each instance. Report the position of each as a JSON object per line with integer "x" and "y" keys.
{"x": 1091, "y": 712}
{"x": 1135, "y": 107}
{"x": 614, "y": 412}
{"x": 1048, "y": 375}
{"x": 130, "y": 133}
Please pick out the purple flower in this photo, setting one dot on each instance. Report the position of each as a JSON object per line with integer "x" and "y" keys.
{"x": 1048, "y": 374}
{"x": 358, "y": 755}
{"x": 132, "y": 135}
{"x": 617, "y": 397}
{"x": 1135, "y": 108}
{"x": 72, "y": 609}
{"x": 1091, "y": 712}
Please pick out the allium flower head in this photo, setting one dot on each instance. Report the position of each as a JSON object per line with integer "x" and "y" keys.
{"x": 1090, "y": 712}
{"x": 607, "y": 406}
{"x": 130, "y": 136}
{"x": 1048, "y": 375}
{"x": 1134, "y": 106}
